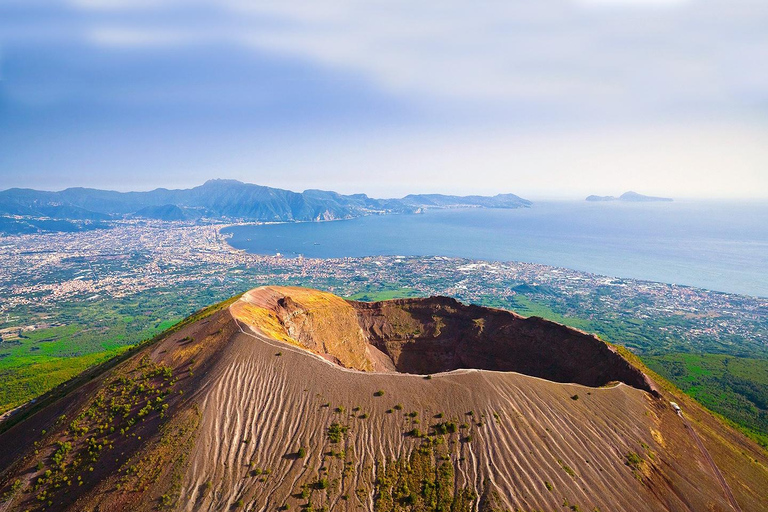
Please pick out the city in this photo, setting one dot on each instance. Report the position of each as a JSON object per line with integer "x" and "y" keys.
{"x": 41, "y": 270}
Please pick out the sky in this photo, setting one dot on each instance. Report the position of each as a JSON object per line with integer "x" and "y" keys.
{"x": 545, "y": 99}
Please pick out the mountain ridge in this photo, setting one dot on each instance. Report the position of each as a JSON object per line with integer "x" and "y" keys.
{"x": 221, "y": 200}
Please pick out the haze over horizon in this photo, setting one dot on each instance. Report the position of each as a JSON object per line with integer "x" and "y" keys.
{"x": 560, "y": 99}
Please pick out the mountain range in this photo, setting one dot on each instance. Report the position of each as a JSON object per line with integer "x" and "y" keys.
{"x": 26, "y": 210}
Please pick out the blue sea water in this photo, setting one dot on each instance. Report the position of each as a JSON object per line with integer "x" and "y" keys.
{"x": 715, "y": 245}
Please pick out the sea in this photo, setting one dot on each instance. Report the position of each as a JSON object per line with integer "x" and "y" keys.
{"x": 721, "y": 246}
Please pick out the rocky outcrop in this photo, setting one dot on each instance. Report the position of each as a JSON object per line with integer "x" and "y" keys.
{"x": 316, "y": 321}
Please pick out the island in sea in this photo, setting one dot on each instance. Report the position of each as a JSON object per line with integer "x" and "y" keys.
{"x": 630, "y": 197}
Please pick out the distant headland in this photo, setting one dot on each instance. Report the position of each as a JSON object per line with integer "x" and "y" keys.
{"x": 78, "y": 209}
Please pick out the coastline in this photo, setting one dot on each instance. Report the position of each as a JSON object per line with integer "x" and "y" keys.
{"x": 675, "y": 257}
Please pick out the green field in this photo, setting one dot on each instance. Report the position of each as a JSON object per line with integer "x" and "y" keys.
{"x": 25, "y": 381}
{"x": 45, "y": 357}
{"x": 75, "y": 335}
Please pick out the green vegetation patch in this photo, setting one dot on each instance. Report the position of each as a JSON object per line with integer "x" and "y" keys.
{"x": 35, "y": 377}
{"x": 633, "y": 460}
{"x": 130, "y": 398}
{"x": 336, "y": 432}
{"x": 424, "y": 480}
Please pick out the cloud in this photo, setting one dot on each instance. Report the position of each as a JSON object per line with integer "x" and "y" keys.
{"x": 566, "y": 55}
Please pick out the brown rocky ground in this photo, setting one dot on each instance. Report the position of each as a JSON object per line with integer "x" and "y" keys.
{"x": 290, "y": 398}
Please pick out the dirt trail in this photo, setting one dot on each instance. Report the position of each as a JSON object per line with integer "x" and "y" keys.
{"x": 715, "y": 469}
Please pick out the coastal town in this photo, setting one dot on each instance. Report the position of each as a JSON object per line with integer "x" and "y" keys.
{"x": 40, "y": 271}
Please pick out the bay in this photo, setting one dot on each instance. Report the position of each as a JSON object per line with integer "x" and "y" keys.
{"x": 720, "y": 246}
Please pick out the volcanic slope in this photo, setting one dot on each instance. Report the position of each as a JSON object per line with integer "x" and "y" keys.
{"x": 289, "y": 398}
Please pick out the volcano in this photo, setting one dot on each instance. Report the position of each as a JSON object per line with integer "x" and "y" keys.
{"x": 290, "y": 398}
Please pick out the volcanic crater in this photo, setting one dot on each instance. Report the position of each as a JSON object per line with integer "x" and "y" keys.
{"x": 434, "y": 335}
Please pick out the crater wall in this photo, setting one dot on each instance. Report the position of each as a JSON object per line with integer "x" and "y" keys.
{"x": 440, "y": 334}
